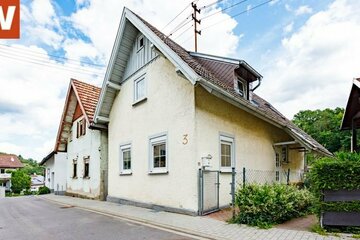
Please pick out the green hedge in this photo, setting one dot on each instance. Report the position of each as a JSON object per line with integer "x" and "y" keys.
{"x": 350, "y": 206}
{"x": 44, "y": 190}
{"x": 265, "y": 205}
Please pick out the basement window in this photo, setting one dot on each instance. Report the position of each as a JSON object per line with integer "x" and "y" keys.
{"x": 86, "y": 167}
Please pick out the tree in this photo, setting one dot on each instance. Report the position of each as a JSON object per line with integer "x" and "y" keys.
{"x": 20, "y": 181}
{"x": 324, "y": 127}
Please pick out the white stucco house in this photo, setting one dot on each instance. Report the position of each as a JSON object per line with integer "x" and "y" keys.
{"x": 55, "y": 164}
{"x": 8, "y": 163}
{"x": 82, "y": 144}
{"x": 170, "y": 112}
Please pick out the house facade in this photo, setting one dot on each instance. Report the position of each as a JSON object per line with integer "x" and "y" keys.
{"x": 82, "y": 144}
{"x": 55, "y": 176}
{"x": 8, "y": 162}
{"x": 170, "y": 112}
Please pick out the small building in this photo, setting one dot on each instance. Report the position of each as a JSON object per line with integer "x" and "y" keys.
{"x": 37, "y": 181}
{"x": 55, "y": 165}
{"x": 8, "y": 162}
{"x": 83, "y": 143}
{"x": 171, "y": 114}
{"x": 351, "y": 119}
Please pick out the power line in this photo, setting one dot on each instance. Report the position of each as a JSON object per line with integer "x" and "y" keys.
{"x": 51, "y": 55}
{"x": 176, "y": 16}
{"x": 187, "y": 40}
{"x": 224, "y": 9}
{"x": 180, "y": 26}
{"x": 180, "y": 34}
{"x": 240, "y": 13}
{"x": 211, "y": 4}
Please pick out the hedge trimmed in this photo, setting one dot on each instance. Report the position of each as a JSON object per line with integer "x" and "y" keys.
{"x": 265, "y": 205}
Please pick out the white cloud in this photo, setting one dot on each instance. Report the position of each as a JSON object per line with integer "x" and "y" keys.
{"x": 315, "y": 65}
{"x": 288, "y": 28}
{"x": 303, "y": 10}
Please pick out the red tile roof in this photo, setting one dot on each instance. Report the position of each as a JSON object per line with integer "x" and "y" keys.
{"x": 10, "y": 161}
{"x": 88, "y": 95}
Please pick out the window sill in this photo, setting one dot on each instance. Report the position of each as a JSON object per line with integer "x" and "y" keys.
{"x": 226, "y": 170}
{"x": 74, "y": 177}
{"x": 125, "y": 173}
{"x": 137, "y": 102}
{"x": 155, "y": 172}
{"x": 86, "y": 177}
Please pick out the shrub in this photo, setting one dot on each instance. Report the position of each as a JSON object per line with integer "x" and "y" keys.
{"x": 44, "y": 190}
{"x": 27, "y": 192}
{"x": 20, "y": 181}
{"x": 265, "y": 205}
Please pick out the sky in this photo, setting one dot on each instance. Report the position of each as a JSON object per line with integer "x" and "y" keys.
{"x": 307, "y": 50}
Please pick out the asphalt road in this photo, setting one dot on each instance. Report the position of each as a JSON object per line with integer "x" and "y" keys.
{"x": 23, "y": 218}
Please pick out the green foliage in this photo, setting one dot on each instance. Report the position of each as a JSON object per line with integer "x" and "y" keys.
{"x": 265, "y": 205}
{"x": 341, "y": 172}
{"x": 20, "y": 180}
{"x": 350, "y": 206}
{"x": 31, "y": 166}
{"x": 324, "y": 127}
{"x": 27, "y": 192}
{"x": 319, "y": 230}
{"x": 44, "y": 190}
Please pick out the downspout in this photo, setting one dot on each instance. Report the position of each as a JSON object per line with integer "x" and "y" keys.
{"x": 258, "y": 85}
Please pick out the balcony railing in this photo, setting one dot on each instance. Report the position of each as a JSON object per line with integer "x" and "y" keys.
{"x": 5, "y": 175}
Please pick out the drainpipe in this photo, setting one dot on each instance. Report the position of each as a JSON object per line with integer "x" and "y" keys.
{"x": 258, "y": 85}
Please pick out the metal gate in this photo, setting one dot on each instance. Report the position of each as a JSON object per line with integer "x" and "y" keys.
{"x": 208, "y": 191}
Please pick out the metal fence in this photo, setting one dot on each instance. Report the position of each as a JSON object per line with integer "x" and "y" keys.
{"x": 284, "y": 176}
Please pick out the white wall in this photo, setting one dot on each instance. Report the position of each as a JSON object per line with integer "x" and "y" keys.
{"x": 57, "y": 165}
{"x": 169, "y": 108}
{"x": 77, "y": 149}
{"x": 49, "y": 168}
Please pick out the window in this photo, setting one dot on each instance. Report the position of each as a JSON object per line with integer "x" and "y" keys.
{"x": 241, "y": 87}
{"x": 81, "y": 128}
{"x": 158, "y": 154}
{"x": 284, "y": 154}
{"x": 277, "y": 165}
{"x": 70, "y": 136}
{"x": 226, "y": 152}
{"x": 139, "y": 89}
{"x": 74, "y": 169}
{"x": 86, "y": 167}
{"x": 140, "y": 42}
{"x": 2, "y": 170}
{"x": 125, "y": 159}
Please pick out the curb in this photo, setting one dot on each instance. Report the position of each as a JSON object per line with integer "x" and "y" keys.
{"x": 137, "y": 220}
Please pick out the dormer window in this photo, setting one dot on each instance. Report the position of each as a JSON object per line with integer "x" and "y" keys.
{"x": 241, "y": 87}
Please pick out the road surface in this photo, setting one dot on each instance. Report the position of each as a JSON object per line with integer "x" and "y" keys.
{"x": 23, "y": 218}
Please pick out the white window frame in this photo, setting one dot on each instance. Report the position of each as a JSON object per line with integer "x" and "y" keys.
{"x": 136, "y": 81}
{"x": 123, "y": 148}
{"x": 138, "y": 47}
{"x": 243, "y": 82}
{"x": 230, "y": 140}
{"x": 154, "y": 140}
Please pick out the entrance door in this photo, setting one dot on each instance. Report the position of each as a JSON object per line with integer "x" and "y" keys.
{"x": 52, "y": 180}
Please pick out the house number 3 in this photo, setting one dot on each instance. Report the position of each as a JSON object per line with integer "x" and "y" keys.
{"x": 185, "y": 139}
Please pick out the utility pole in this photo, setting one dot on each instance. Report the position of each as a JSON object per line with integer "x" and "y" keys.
{"x": 196, "y": 21}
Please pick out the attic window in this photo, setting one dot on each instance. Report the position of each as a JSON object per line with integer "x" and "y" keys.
{"x": 241, "y": 87}
{"x": 140, "y": 42}
{"x": 81, "y": 128}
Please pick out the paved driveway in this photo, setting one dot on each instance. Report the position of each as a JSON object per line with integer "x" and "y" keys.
{"x": 34, "y": 218}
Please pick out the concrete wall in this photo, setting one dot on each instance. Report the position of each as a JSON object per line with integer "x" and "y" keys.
{"x": 78, "y": 149}
{"x": 49, "y": 168}
{"x": 55, "y": 172}
{"x": 169, "y": 108}
{"x": 254, "y": 138}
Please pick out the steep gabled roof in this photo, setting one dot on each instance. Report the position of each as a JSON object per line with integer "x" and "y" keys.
{"x": 352, "y": 107}
{"x": 214, "y": 75}
{"x": 86, "y": 96}
{"x": 10, "y": 161}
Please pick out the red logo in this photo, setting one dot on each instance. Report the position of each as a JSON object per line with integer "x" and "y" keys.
{"x": 9, "y": 18}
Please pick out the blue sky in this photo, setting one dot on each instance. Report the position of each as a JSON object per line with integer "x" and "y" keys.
{"x": 306, "y": 50}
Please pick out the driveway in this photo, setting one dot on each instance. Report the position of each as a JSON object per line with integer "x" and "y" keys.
{"x": 35, "y": 218}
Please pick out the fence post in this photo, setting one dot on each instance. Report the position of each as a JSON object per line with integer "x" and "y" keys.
{"x": 200, "y": 192}
{"x": 244, "y": 177}
{"x": 233, "y": 191}
{"x": 288, "y": 177}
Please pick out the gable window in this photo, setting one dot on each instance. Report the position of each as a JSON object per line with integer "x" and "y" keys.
{"x": 74, "y": 169}
{"x": 139, "y": 89}
{"x": 284, "y": 154}
{"x": 140, "y": 42}
{"x": 226, "y": 153}
{"x": 158, "y": 154}
{"x": 86, "y": 167}
{"x": 241, "y": 87}
{"x": 81, "y": 128}
{"x": 125, "y": 159}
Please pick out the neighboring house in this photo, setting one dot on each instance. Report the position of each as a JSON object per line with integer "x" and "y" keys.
{"x": 83, "y": 142}
{"x": 8, "y": 162}
{"x": 351, "y": 119}
{"x": 37, "y": 181}
{"x": 55, "y": 164}
{"x": 167, "y": 110}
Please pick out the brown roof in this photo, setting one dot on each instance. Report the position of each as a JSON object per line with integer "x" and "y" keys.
{"x": 220, "y": 74}
{"x": 88, "y": 95}
{"x": 10, "y": 161}
{"x": 352, "y": 107}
